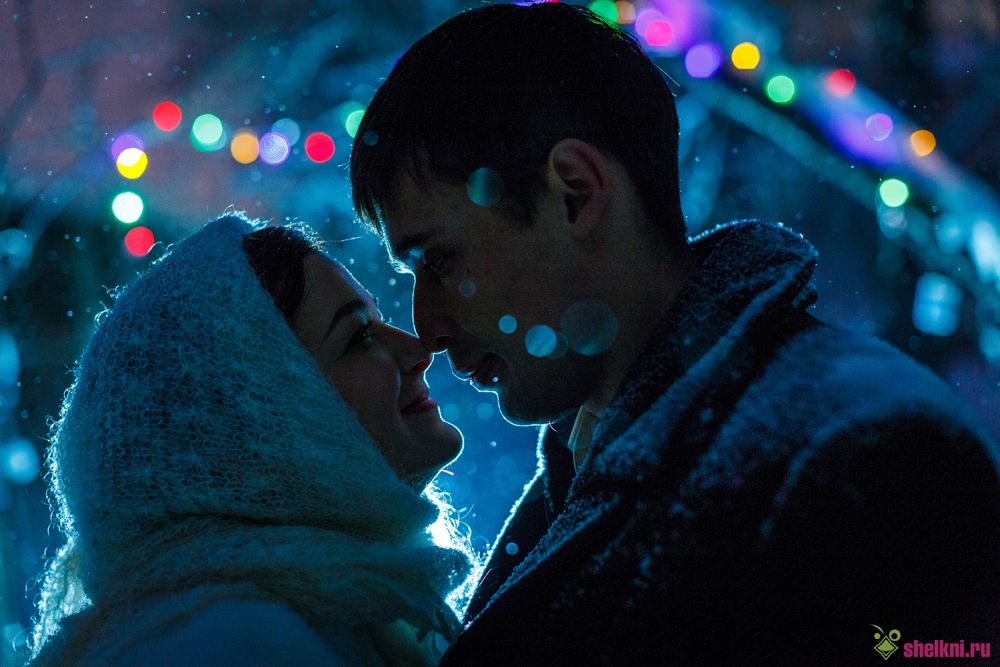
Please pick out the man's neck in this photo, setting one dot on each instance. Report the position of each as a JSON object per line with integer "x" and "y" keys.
{"x": 655, "y": 298}
{"x": 640, "y": 318}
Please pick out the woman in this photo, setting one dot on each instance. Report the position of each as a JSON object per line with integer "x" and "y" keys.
{"x": 238, "y": 470}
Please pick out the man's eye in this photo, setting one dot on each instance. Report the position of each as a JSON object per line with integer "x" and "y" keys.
{"x": 433, "y": 261}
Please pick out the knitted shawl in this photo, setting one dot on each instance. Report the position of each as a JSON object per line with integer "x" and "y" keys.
{"x": 201, "y": 445}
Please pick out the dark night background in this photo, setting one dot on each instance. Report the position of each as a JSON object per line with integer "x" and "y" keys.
{"x": 75, "y": 76}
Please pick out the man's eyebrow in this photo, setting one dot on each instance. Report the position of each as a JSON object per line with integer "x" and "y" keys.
{"x": 402, "y": 249}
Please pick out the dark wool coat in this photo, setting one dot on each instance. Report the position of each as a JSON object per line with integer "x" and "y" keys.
{"x": 764, "y": 489}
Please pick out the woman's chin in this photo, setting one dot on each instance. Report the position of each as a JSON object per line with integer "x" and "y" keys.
{"x": 447, "y": 447}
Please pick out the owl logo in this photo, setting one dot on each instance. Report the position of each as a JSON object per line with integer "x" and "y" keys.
{"x": 886, "y": 642}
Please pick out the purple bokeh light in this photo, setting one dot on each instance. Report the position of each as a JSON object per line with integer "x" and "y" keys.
{"x": 703, "y": 60}
{"x": 122, "y": 142}
{"x": 274, "y": 148}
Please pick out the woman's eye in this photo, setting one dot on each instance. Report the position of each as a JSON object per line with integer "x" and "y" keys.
{"x": 362, "y": 335}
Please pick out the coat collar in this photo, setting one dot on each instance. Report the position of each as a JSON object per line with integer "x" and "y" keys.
{"x": 750, "y": 276}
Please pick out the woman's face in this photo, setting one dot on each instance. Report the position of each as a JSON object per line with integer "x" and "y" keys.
{"x": 378, "y": 370}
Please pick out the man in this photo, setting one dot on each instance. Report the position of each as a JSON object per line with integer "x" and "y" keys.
{"x": 724, "y": 479}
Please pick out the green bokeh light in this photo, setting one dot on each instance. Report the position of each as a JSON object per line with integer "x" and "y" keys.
{"x": 893, "y": 192}
{"x": 127, "y": 207}
{"x": 353, "y": 121}
{"x": 606, "y": 9}
{"x": 781, "y": 89}
{"x": 207, "y": 133}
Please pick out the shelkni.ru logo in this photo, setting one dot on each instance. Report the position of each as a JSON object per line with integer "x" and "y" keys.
{"x": 887, "y": 644}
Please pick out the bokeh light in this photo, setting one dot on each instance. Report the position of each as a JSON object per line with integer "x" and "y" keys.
{"x": 167, "y": 116}
{"x": 841, "y": 82}
{"x": 354, "y": 121}
{"x": 467, "y": 288}
{"x": 923, "y": 142}
{"x": 606, "y": 9}
{"x": 780, "y": 89}
{"x": 207, "y": 133}
{"x": 132, "y": 163}
{"x": 124, "y": 141}
{"x": 274, "y": 148}
{"x": 320, "y": 147}
{"x": 20, "y": 461}
{"x": 659, "y": 33}
{"x": 702, "y": 60}
{"x": 745, "y": 55}
{"x": 878, "y": 126}
{"x": 244, "y": 147}
{"x": 289, "y": 129}
{"x": 937, "y": 303}
{"x": 508, "y": 324}
{"x": 540, "y": 340}
{"x": 484, "y": 187}
{"x": 138, "y": 241}
{"x": 347, "y": 108}
{"x": 127, "y": 207}
{"x": 590, "y": 327}
{"x": 644, "y": 19}
{"x": 893, "y": 192}
{"x": 626, "y": 12}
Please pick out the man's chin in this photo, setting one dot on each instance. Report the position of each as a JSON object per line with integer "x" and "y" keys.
{"x": 528, "y": 411}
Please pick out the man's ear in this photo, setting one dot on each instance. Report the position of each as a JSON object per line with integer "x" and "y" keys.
{"x": 578, "y": 173}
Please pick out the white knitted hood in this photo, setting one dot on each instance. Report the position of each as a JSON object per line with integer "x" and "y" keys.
{"x": 201, "y": 444}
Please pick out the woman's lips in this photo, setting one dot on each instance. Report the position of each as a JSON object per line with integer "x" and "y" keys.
{"x": 420, "y": 406}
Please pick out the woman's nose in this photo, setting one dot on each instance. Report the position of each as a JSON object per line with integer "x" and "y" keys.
{"x": 411, "y": 355}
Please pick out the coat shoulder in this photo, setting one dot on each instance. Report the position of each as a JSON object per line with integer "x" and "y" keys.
{"x": 829, "y": 379}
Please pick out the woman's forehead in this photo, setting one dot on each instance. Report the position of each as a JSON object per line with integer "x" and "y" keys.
{"x": 330, "y": 277}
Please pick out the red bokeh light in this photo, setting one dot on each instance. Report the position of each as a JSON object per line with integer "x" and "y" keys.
{"x": 841, "y": 82}
{"x": 320, "y": 147}
{"x": 138, "y": 241}
{"x": 167, "y": 116}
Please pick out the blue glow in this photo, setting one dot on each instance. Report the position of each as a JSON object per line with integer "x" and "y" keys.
{"x": 590, "y": 327}
{"x": 484, "y": 187}
{"x": 20, "y": 461}
{"x": 10, "y": 362}
{"x": 508, "y": 324}
{"x": 936, "y": 305}
{"x": 540, "y": 340}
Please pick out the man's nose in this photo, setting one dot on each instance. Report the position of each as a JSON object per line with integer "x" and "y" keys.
{"x": 434, "y": 326}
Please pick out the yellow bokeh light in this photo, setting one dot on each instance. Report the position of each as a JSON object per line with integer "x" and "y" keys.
{"x": 923, "y": 142}
{"x": 132, "y": 163}
{"x": 746, "y": 56}
{"x": 626, "y": 12}
{"x": 244, "y": 147}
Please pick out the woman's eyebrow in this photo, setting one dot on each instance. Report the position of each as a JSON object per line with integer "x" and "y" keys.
{"x": 353, "y": 306}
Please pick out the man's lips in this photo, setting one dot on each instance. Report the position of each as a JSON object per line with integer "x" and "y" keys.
{"x": 481, "y": 373}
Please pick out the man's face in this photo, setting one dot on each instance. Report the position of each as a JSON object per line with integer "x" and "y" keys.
{"x": 487, "y": 288}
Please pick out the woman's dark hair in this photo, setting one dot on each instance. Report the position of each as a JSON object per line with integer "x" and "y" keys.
{"x": 276, "y": 255}
{"x": 497, "y": 87}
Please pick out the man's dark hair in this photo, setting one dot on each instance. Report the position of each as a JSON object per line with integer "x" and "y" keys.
{"x": 497, "y": 87}
{"x": 276, "y": 255}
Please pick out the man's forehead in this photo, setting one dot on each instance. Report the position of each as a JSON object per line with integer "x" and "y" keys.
{"x": 415, "y": 216}
{"x": 402, "y": 242}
